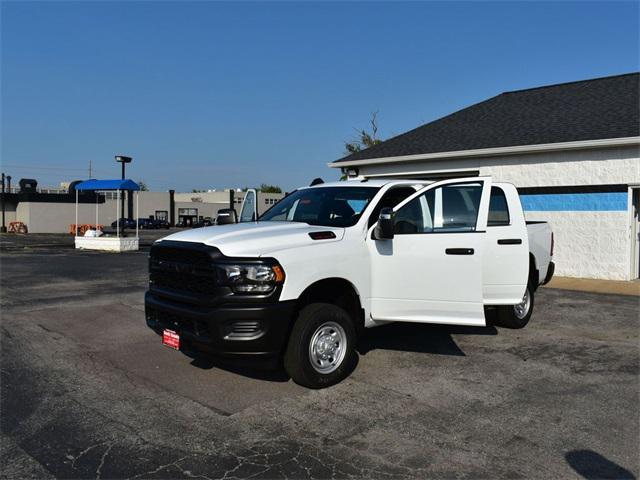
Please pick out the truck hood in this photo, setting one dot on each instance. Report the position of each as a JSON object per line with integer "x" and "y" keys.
{"x": 255, "y": 239}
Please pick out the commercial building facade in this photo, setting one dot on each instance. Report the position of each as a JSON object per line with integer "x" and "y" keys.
{"x": 572, "y": 150}
{"x": 55, "y": 212}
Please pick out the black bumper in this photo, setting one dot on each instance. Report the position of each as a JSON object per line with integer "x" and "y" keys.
{"x": 231, "y": 330}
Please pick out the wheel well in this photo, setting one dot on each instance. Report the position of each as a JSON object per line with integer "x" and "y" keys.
{"x": 336, "y": 291}
{"x": 534, "y": 274}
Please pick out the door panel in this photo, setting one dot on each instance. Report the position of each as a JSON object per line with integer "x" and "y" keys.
{"x": 414, "y": 280}
{"x": 249, "y": 212}
{"x": 431, "y": 271}
{"x": 506, "y": 254}
{"x": 635, "y": 233}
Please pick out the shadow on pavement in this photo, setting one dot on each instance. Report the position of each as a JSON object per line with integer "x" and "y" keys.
{"x": 592, "y": 465}
{"x": 270, "y": 371}
{"x": 418, "y": 337}
{"x": 408, "y": 337}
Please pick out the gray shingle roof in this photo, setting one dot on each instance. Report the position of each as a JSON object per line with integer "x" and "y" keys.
{"x": 593, "y": 109}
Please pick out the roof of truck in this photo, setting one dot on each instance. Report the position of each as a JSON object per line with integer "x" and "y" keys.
{"x": 370, "y": 183}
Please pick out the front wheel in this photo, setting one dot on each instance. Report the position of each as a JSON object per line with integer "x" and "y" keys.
{"x": 517, "y": 316}
{"x": 321, "y": 350}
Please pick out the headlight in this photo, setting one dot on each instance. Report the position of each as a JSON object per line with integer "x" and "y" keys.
{"x": 251, "y": 277}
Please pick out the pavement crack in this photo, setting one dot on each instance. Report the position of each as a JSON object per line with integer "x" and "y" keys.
{"x": 102, "y": 459}
{"x": 162, "y": 467}
{"x": 75, "y": 458}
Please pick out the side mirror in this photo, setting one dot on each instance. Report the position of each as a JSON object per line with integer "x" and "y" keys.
{"x": 226, "y": 216}
{"x": 386, "y": 224}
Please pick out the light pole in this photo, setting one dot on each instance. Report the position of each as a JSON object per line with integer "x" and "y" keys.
{"x": 123, "y": 160}
{"x": 3, "y": 229}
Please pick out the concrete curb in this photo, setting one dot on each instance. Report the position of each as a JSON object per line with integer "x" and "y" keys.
{"x": 615, "y": 287}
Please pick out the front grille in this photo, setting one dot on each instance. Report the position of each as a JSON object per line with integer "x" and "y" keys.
{"x": 184, "y": 282}
{"x": 183, "y": 270}
{"x": 177, "y": 323}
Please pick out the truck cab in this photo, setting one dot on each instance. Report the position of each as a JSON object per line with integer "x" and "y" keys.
{"x": 328, "y": 261}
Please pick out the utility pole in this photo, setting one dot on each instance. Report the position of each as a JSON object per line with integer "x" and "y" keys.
{"x": 3, "y": 229}
{"x": 90, "y": 169}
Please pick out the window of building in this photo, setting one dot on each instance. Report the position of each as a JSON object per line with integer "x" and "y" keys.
{"x": 162, "y": 215}
{"x": 498, "y": 208}
{"x": 188, "y": 211}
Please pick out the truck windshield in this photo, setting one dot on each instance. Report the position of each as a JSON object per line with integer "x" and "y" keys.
{"x": 326, "y": 206}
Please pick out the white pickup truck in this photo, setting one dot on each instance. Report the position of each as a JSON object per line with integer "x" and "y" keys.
{"x": 330, "y": 260}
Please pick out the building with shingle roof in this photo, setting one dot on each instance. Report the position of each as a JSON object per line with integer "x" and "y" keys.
{"x": 572, "y": 149}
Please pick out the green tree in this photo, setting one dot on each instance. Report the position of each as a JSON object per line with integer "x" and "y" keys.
{"x": 364, "y": 139}
{"x": 143, "y": 186}
{"x": 265, "y": 188}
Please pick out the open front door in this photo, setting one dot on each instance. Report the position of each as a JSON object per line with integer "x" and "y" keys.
{"x": 249, "y": 210}
{"x": 431, "y": 271}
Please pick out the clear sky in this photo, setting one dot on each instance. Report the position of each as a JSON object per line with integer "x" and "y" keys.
{"x": 212, "y": 94}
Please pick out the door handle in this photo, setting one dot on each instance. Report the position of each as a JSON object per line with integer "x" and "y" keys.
{"x": 459, "y": 251}
{"x": 510, "y": 241}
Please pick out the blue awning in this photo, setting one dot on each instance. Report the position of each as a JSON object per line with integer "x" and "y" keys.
{"x": 125, "y": 184}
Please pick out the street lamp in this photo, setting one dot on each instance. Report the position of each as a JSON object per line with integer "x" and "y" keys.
{"x": 123, "y": 160}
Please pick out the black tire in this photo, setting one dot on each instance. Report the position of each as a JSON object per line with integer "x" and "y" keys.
{"x": 508, "y": 317}
{"x": 297, "y": 358}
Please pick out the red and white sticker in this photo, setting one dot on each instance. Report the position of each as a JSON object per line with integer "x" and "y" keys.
{"x": 171, "y": 339}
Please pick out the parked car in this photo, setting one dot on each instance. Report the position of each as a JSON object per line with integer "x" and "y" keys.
{"x": 332, "y": 259}
{"x": 205, "y": 222}
{"x": 161, "y": 224}
{"x": 146, "y": 223}
{"x": 124, "y": 223}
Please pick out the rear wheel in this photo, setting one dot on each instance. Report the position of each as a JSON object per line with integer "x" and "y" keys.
{"x": 517, "y": 316}
{"x": 321, "y": 350}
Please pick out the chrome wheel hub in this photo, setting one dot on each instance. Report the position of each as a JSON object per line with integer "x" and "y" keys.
{"x": 327, "y": 347}
{"x": 522, "y": 309}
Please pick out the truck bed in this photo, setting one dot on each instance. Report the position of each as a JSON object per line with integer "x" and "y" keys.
{"x": 540, "y": 246}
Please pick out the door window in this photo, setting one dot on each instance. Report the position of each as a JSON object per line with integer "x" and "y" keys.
{"x": 449, "y": 208}
{"x": 390, "y": 199}
{"x": 247, "y": 214}
{"x": 498, "y": 209}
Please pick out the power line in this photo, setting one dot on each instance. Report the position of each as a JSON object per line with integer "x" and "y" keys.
{"x": 35, "y": 167}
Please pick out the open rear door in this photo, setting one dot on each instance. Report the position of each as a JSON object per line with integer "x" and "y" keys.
{"x": 431, "y": 271}
{"x": 249, "y": 210}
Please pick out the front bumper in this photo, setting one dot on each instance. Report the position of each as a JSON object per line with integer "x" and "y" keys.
{"x": 231, "y": 330}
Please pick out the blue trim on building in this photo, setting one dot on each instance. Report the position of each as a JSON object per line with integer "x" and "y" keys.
{"x": 565, "y": 202}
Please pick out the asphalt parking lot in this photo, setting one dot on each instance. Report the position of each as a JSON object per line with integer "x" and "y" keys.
{"x": 88, "y": 391}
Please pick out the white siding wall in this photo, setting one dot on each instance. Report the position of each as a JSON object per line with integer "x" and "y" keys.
{"x": 587, "y": 244}
{"x": 150, "y": 202}
{"x": 580, "y": 167}
{"x": 42, "y": 217}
